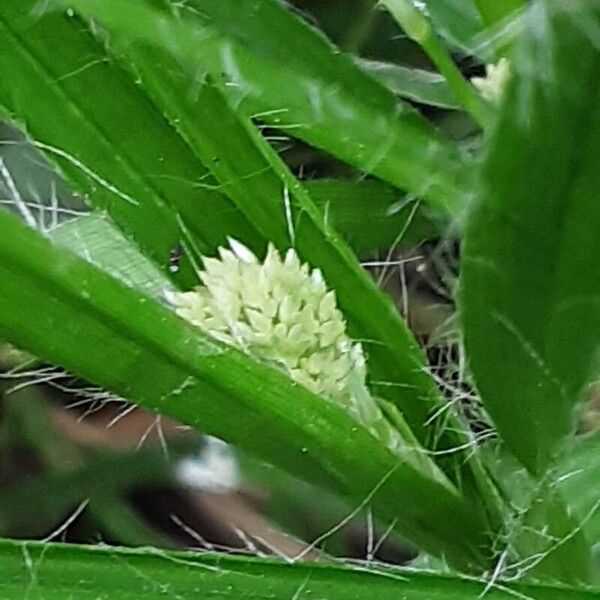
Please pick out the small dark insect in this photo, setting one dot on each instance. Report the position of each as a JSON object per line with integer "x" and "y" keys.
{"x": 175, "y": 258}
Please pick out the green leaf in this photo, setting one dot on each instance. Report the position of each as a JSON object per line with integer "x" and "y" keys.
{"x": 458, "y": 21}
{"x": 369, "y": 214}
{"x": 542, "y": 538}
{"x": 274, "y": 66}
{"x": 99, "y": 243}
{"x": 551, "y": 541}
{"x": 418, "y": 85}
{"x": 530, "y": 285}
{"x": 118, "y": 520}
{"x": 260, "y": 184}
{"x": 53, "y": 496}
{"x": 53, "y": 303}
{"x": 250, "y": 172}
{"x": 577, "y": 478}
{"x": 389, "y": 214}
{"x": 503, "y": 25}
{"x": 475, "y": 26}
{"x": 51, "y": 571}
{"x": 66, "y": 484}
{"x": 418, "y": 27}
{"x": 107, "y": 138}
{"x": 97, "y": 240}
{"x": 243, "y": 173}
{"x": 494, "y": 12}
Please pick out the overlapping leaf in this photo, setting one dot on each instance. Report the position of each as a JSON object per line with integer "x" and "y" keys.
{"x": 52, "y": 302}
{"x": 251, "y": 47}
{"x": 251, "y": 173}
{"x": 108, "y": 139}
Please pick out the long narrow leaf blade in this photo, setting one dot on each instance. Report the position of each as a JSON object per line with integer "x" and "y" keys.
{"x": 55, "y": 571}
{"x": 97, "y": 240}
{"x": 458, "y": 21}
{"x": 530, "y": 283}
{"x": 369, "y": 214}
{"x": 274, "y": 65}
{"x": 72, "y": 314}
{"x": 494, "y": 12}
{"x": 342, "y": 203}
{"x": 107, "y": 138}
{"x": 278, "y": 207}
{"x": 577, "y": 480}
{"x": 421, "y": 86}
{"x": 104, "y": 475}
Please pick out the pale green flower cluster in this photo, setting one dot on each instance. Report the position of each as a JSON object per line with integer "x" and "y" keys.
{"x": 492, "y": 86}
{"x": 281, "y": 312}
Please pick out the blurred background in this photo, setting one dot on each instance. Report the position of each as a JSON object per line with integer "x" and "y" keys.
{"x": 77, "y": 464}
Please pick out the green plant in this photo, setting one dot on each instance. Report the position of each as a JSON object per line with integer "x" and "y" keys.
{"x": 150, "y": 108}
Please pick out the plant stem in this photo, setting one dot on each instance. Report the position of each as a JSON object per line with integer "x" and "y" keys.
{"x": 419, "y": 29}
